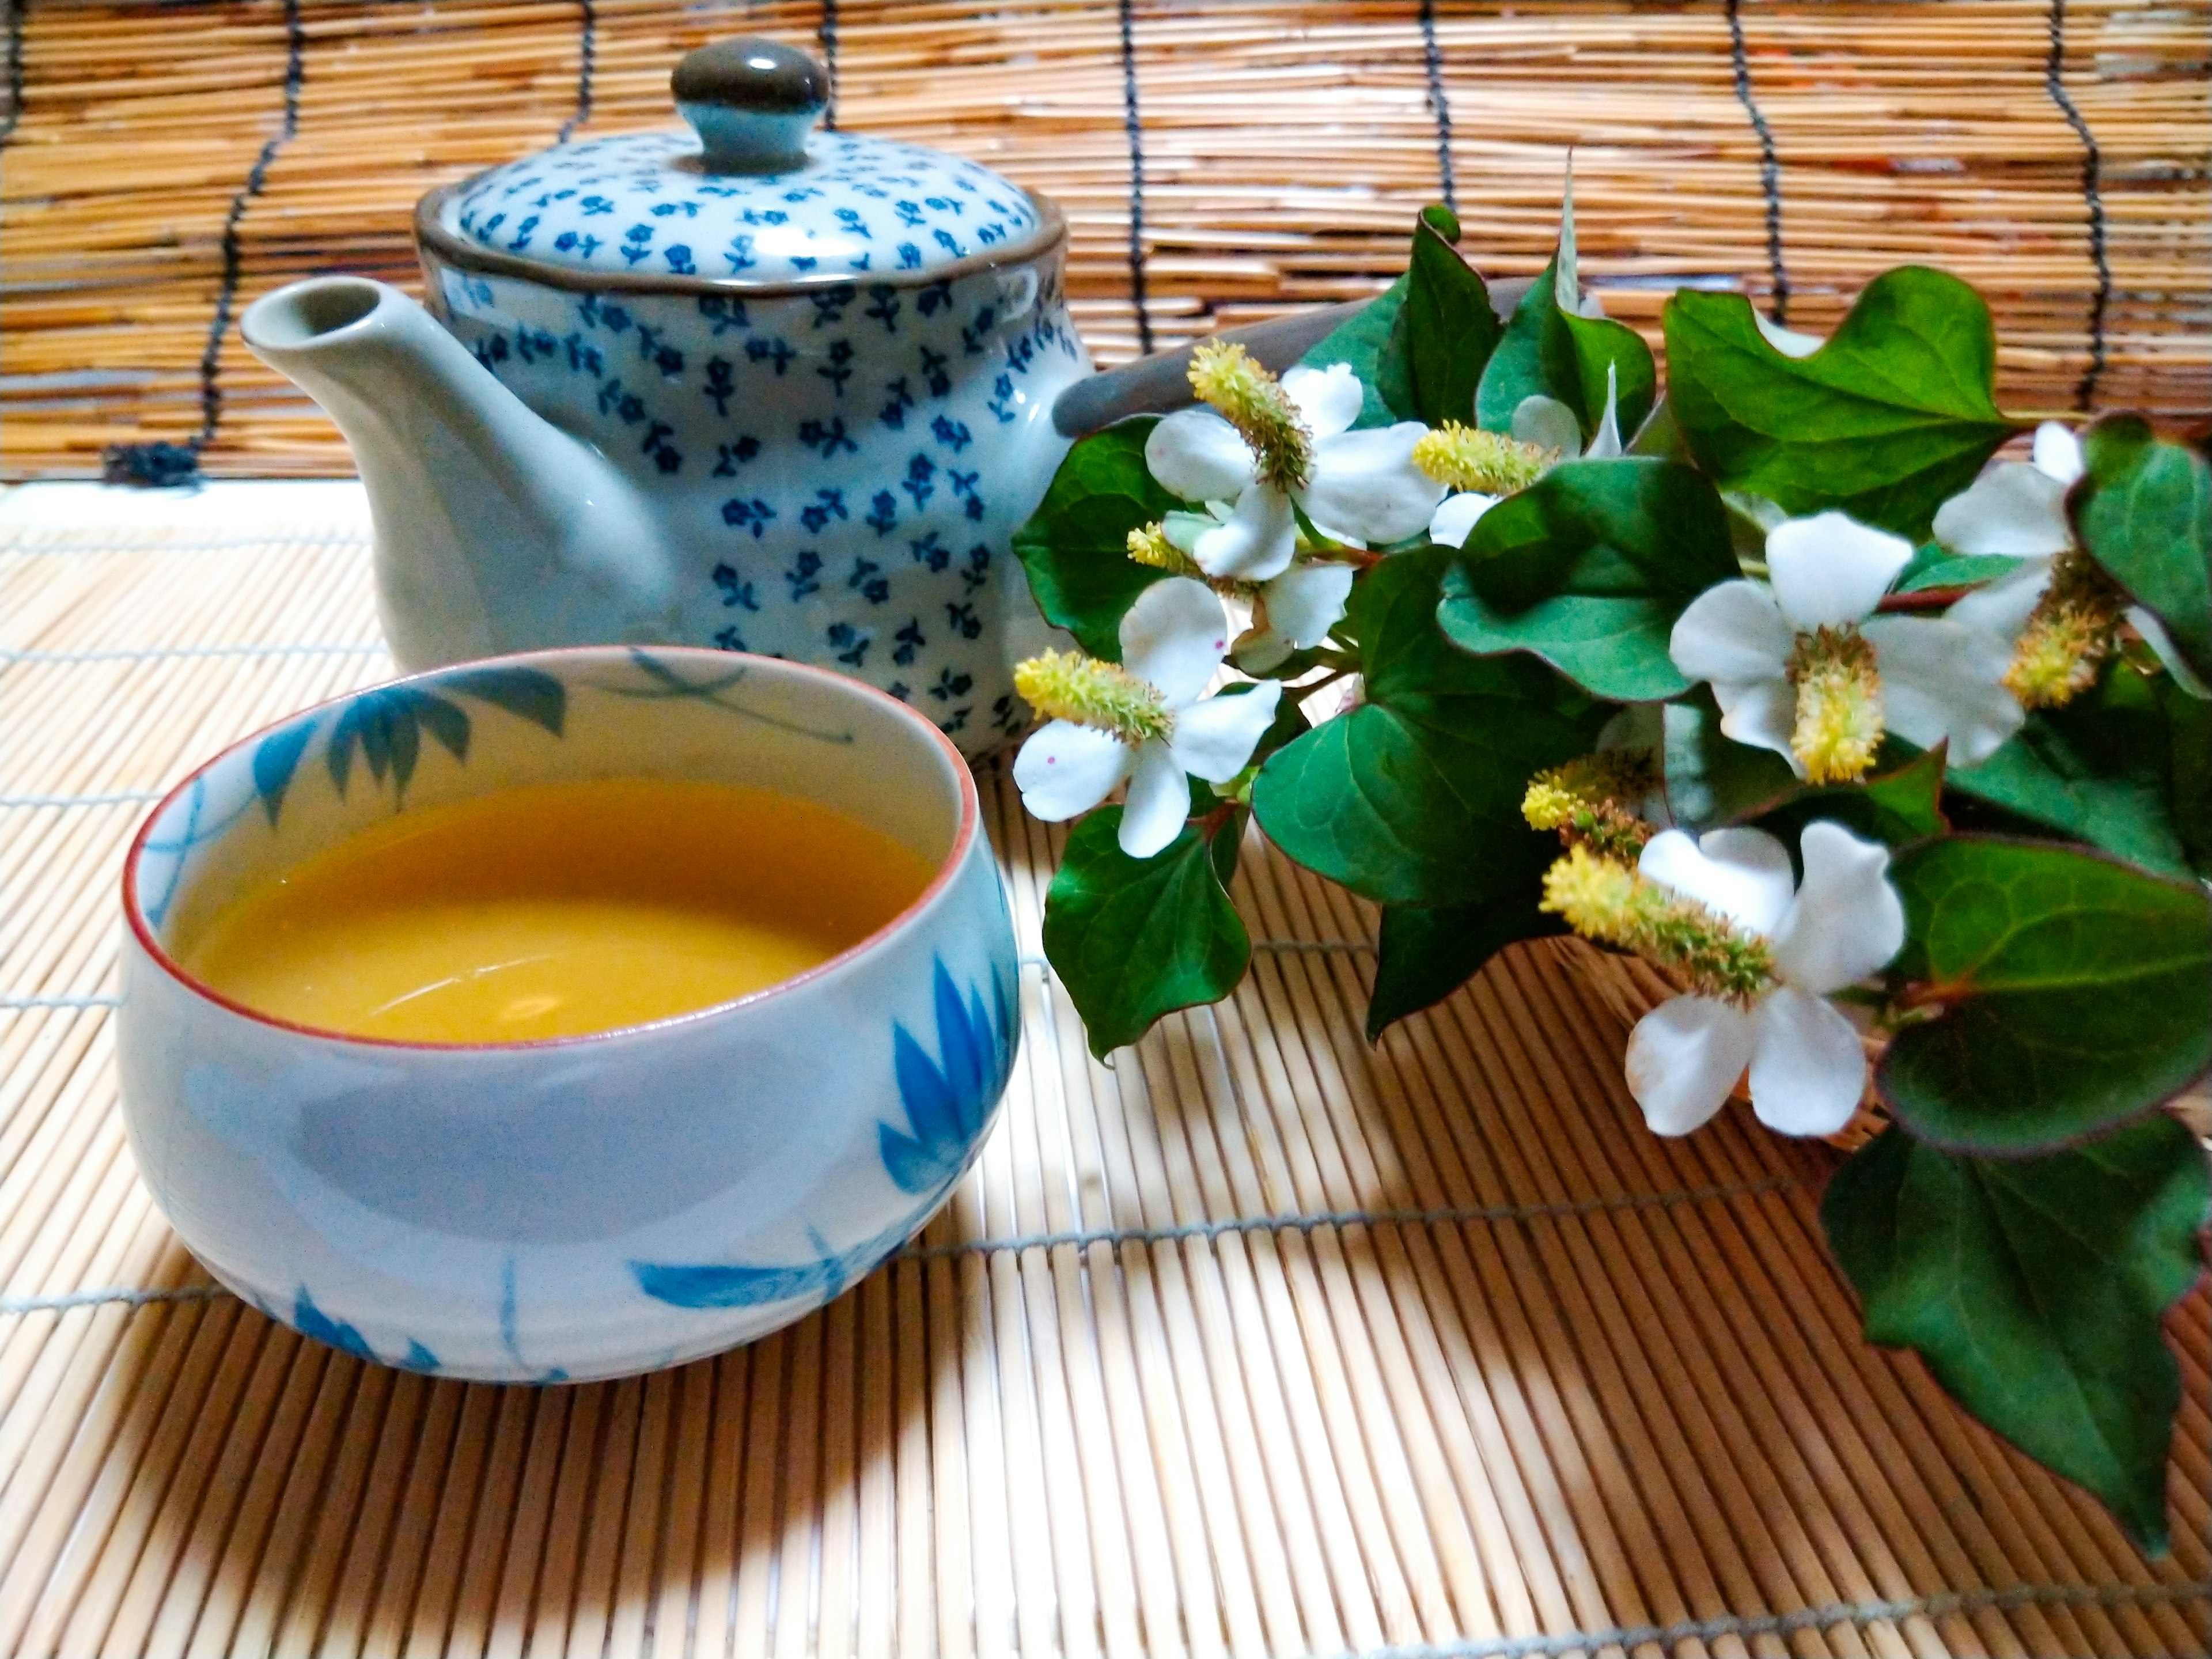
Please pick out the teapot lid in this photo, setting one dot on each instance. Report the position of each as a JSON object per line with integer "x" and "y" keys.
{"x": 751, "y": 197}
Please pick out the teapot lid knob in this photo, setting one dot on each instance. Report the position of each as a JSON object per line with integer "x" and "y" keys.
{"x": 752, "y": 101}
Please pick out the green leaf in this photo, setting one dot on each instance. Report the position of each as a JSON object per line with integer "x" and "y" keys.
{"x": 1447, "y": 327}
{"x": 1551, "y": 351}
{"x": 2033, "y": 1289}
{"x": 1430, "y": 951}
{"x": 2189, "y": 758}
{"x": 1414, "y": 797}
{"x": 1075, "y": 546}
{"x": 1134, "y": 939}
{"x": 1899, "y": 805}
{"x": 532, "y": 693}
{"x": 1931, "y": 567}
{"x": 1372, "y": 345}
{"x": 1889, "y": 419}
{"x": 2098, "y": 768}
{"x": 2143, "y": 509}
{"x": 2073, "y": 992}
{"x": 1711, "y": 779}
{"x": 1588, "y": 569}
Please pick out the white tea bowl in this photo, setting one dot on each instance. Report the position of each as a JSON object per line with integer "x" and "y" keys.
{"x": 581, "y": 1206}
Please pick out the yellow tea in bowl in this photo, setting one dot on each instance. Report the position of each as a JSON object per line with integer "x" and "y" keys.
{"x": 555, "y": 911}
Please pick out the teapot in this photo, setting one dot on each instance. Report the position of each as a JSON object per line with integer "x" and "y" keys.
{"x": 752, "y": 386}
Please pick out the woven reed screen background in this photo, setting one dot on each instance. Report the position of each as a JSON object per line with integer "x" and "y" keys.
{"x": 165, "y": 163}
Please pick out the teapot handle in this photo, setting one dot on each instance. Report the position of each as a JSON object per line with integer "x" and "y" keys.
{"x": 1160, "y": 384}
{"x": 752, "y": 101}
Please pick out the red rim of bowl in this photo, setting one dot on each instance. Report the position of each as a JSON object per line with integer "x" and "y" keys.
{"x": 964, "y": 838}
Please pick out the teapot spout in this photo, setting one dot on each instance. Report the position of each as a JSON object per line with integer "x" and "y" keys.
{"x": 495, "y": 530}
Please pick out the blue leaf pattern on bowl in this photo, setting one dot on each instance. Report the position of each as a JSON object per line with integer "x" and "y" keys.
{"x": 947, "y": 1099}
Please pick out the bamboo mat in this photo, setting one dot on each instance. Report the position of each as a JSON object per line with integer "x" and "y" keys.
{"x": 165, "y": 163}
{"x": 1258, "y": 1342}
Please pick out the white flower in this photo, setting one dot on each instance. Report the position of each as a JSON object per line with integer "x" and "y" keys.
{"x": 2018, "y": 509}
{"x": 1301, "y": 607}
{"x": 1363, "y": 487}
{"x": 1547, "y": 423}
{"x": 1173, "y": 638}
{"x": 1939, "y": 679}
{"x": 1807, "y": 1068}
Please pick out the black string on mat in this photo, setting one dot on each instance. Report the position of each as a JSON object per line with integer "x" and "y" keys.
{"x": 2093, "y": 168}
{"x": 1770, "y": 164}
{"x": 1133, "y": 124}
{"x": 587, "y": 56}
{"x": 17, "y": 11}
{"x": 828, "y": 35}
{"x": 160, "y": 463}
{"x": 1432, "y": 55}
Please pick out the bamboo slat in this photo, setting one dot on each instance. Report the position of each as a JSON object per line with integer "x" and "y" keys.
{"x": 2056, "y": 153}
{"x": 1257, "y": 1341}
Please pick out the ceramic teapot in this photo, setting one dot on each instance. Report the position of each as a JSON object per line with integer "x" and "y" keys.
{"x": 751, "y": 385}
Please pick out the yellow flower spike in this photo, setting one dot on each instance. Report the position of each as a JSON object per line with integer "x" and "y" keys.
{"x": 1231, "y": 380}
{"x": 1604, "y": 899}
{"x": 1548, "y": 806}
{"x": 1465, "y": 457}
{"x": 1583, "y": 801}
{"x": 2069, "y": 635}
{"x": 1839, "y": 715}
{"x": 1066, "y": 685}
{"x": 1151, "y": 546}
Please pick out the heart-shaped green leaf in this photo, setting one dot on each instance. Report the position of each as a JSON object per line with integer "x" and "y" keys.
{"x": 1414, "y": 797}
{"x": 1550, "y": 349}
{"x": 1430, "y": 951}
{"x": 2073, "y": 993}
{"x": 1889, "y": 419}
{"x": 2033, "y": 1288}
{"x": 1446, "y": 331}
{"x": 1134, "y": 939}
{"x": 2098, "y": 768}
{"x": 1931, "y": 567}
{"x": 1898, "y": 803}
{"x": 2143, "y": 509}
{"x": 1371, "y": 346}
{"x": 1588, "y": 569}
{"x": 1075, "y": 546}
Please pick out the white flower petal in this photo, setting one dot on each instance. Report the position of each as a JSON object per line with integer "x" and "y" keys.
{"x": 1606, "y": 446}
{"x": 1762, "y": 714}
{"x": 1741, "y": 874}
{"x": 2001, "y": 609}
{"x": 1734, "y": 631}
{"x": 1941, "y": 681}
{"x": 2013, "y": 508}
{"x": 1365, "y": 489}
{"x": 1197, "y": 455}
{"x": 1182, "y": 530}
{"x": 2161, "y": 645}
{"x": 1214, "y": 738}
{"x": 1547, "y": 423}
{"x": 1329, "y": 399}
{"x": 1808, "y": 1070}
{"x": 2058, "y": 452}
{"x": 1306, "y": 600}
{"x": 1065, "y": 769}
{"x": 1831, "y": 569}
{"x": 1846, "y": 920}
{"x": 1683, "y": 1057}
{"x": 1786, "y": 341}
{"x": 1454, "y": 520}
{"x": 1158, "y": 804}
{"x": 1175, "y": 635}
{"x": 1255, "y": 543}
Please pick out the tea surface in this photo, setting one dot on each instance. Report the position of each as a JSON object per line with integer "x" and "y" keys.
{"x": 555, "y": 911}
